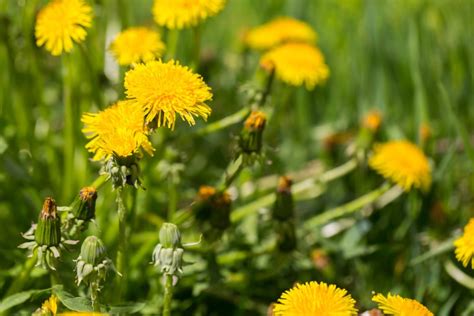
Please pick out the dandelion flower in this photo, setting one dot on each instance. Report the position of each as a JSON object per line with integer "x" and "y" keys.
{"x": 403, "y": 163}
{"x": 177, "y": 14}
{"x": 399, "y": 306}
{"x": 50, "y": 306}
{"x": 280, "y": 30}
{"x": 313, "y": 298}
{"x": 137, "y": 44}
{"x": 60, "y": 23}
{"x": 166, "y": 90}
{"x": 118, "y": 130}
{"x": 297, "y": 64}
{"x": 465, "y": 245}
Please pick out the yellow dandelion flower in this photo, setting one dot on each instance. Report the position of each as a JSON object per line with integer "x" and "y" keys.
{"x": 177, "y": 14}
{"x": 465, "y": 245}
{"x": 50, "y": 306}
{"x": 399, "y": 306}
{"x": 60, "y": 23}
{"x": 137, "y": 44}
{"x": 296, "y": 64}
{"x": 118, "y": 130}
{"x": 403, "y": 163}
{"x": 82, "y": 314}
{"x": 313, "y": 298}
{"x": 166, "y": 90}
{"x": 280, "y": 30}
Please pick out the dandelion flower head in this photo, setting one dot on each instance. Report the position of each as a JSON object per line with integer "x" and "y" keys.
{"x": 403, "y": 163}
{"x": 137, "y": 44}
{"x": 297, "y": 64}
{"x": 178, "y": 14}
{"x": 280, "y": 30}
{"x": 465, "y": 245}
{"x": 60, "y": 23}
{"x": 399, "y": 306}
{"x": 50, "y": 306}
{"x": 118, "y": 130}
{"x": 166, "y": 90}
{"x": 313, "y": 298}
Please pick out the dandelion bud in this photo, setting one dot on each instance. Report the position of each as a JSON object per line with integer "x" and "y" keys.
{"x": 170, "y": 237}
{"x": 252, "y": 134}
{"x": 122, "y": 171}
{"x": 84, "y": 207}
{"x": 212, "y": 210}
{"x": 168, "y": 254}
{"x": 283, "y": 207}
{"x": 48, "y": 230}
{"x": 286, "y": 236}
{"x": 92, "y": 264}
{"x": 372, "y": 121}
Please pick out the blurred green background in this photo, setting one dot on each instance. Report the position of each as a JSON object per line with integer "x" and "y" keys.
{"x": 410, "y": 59}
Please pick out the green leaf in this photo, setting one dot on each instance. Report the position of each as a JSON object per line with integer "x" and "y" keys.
{"x": 126, "y": 308}
{"x": 78, "y": 304}
{"x": 16, "y": 299}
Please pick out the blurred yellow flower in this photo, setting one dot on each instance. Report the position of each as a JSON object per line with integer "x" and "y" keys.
{"x": 372, "y": 120}
{"x": 313, "y": 298}
{"x": 137, "y": 44}
{"x": 120, "y": 129}
{"x": 296, "y": 64}
{"x": 50, "y": 306}
{"x": 60, "y": 23}
{"x": 166, "y": 90}
{"x": 279, "y": 31}
{"x": 82, "y": 314}
{"x": 465, "y": 245}
{"x": 177, "y": 14}
{"x": 403, "y": 163}
{"x": 399, "y": 306}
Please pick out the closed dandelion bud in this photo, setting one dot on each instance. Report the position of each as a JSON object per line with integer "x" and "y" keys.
{"x": 92, "y": 264}
{"x": 212, "y": 209}
{"x": 286, "y": 236}
{"x": 370, "y": 126}
{"x": 93, "y": 250}
{"x": 84, "y": 206}
{"x": 283, "y": 207}
{"x": 170, "y": 237}
{"x": 48, "y": 230}
{"x": 252, "y": 134}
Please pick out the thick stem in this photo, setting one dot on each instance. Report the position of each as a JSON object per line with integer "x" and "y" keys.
{"x": 233, "y": 172}
{"x": 268, "y": 87}
{"x": 172, "y": 43}
{"x": 94, "y": 291}
{"x": 69, "y": 139}
{"x": 122, "y": 245}
{"x": 168, "y": 295}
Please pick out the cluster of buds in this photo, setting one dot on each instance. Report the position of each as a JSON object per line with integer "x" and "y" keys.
{"x": 45, "y": 237}
{"x": 212, "y": 211}
{"x": 251, "y": 136}
{"x": 283, "y": 214}
{"x": 82, "y": 211}
{"x": 122, "y": 171}
{"x": 168, "y": 253}
{"x": 92, "y": 265}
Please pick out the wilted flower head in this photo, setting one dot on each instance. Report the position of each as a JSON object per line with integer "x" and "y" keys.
{"x": 166, "y": 90}
{"x": 118, "y": 130}
{"x": 296, "y": 64}
{"x": 177, "y": 14}
{"x": 465, "y": 245}
{"x": 278, "y": 31}
{"x": 60, "y": 23}
{"x": 403, "y": 163}
{"x": 399, "y": 306}
{"x": 137, "y": 44}
{"x": 313, "y": 298}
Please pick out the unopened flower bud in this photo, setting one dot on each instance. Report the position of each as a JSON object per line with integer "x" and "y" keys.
{"x": 212, "y": 208}
{"x": 372, "y": 121}
{"x": 283, "y": 207}
{"x": 83, "y": 207}
{"x": 286, "y": 236}
{"x": 48, "y": 230}
{"x": 93, "y": 250}
{"x": 92, "y": 264}
{"x": 170, "y": 237}
{"x": 251, "y": 137}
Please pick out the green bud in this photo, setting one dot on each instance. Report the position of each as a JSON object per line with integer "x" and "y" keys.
{"x": 283, "y": 207}
{"x": 170, "y": 237}
{"x": 93, "y": 250}
{"x": 48, "y": 229}
{"x": 84, "y": 206}
{"x": 251, "y": 137}
{"x": 286, "y": 236}
{"x": 122, "y": 171}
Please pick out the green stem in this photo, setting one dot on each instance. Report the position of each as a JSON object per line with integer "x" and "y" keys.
{"x": 233, "y": 172}
{"x": 172, "y": 198}
{"x": 172, "y": 43}
{"x": 197, "y": 47}
{"x": 99, "y": 182}
{"x": 54, "y": 277}
{"x": 69, "y": 140}
{"x": 227, "y": 121}
{"x": 268, "y": 88}
{"x": 346, "y": 209}
{"x": 94, "y": 291}
{"x": 19, "y": 282}
{"x": 168, "y": 295}
{"x": 122, "y": 246}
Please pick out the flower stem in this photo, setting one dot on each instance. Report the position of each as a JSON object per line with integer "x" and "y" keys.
{"x": 268, "y": 87}
{"x": 94, "y": 291}
{"x": 122, "y": 246}
{"x": 69, "y": 139}
{"x": 173, "y": 197}
{"x": 197, "y": 47}
{"x": 168, "y": 295}
{"x": 172, "y": 43}
{"x": 233, "y": 172}
{"x": 227, "y": 121}
{"x": 346, "y": 209}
